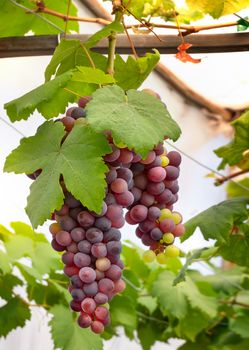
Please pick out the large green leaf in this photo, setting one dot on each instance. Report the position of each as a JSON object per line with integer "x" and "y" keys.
{"x": 16, "y": 21}
{"x": 218, "y": 8}
{"x": 175, "y": 300}
{"x": 72, "y": 53}
{"x": 132, "y": 73}
{"x": 217, "y": 221}
{"x": 78, "y": 159}
{"x": 232, "y": 153}
{"x": 139, "y": 120}
{"x": 52, "y": 98}
{"x": 148, "y": 333}
{"x": 12, "y": 315}
{"x": 67, "y": 335}
{"x": 7, "y": 283}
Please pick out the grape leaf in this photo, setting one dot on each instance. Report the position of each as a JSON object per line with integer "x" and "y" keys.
{"x": 25, "y": 242}
{"x": 78, "y": 159}
{"x": 7, "y": 283}
{"x": 4, "y": 263}
{"x": 218, "y": 8}
{"x": 51, "y": 98}
{"x": 149, "y": 302}
{"x": 234, "y": 190}
{"x": 232, "y": 153}
{"x": 190, "y": 259}
{"x": 71, "y": 53}
{"x": 175, "y": 300}
{"x": 104, "y": 33}
{"x": 12, "y": 315}
{"x": 236, "y": 248}
{"x": 67, "y": 335}
{"x": 15, "y": 21}
{"x": 134, "y": 262}
{"x": 190, "y": 329}
{"x": 132, "y": 73}
{"x": 148, "y": 333}
{"x": 137, "y": 119}
{"x": 217, "y": 221}
{"x": 240, "y": 323}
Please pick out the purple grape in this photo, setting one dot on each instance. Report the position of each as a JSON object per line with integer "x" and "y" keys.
{"x": 112, "y": 235}
{"x": 78, "y": 112}
{"x": 67, "y": 223}
{"x": 114, "y": 247}
{"x": 75, "y": 305}
{"x": 78, "y": 234}
{"x": 101, "y": 298}
{"x": 155, "y": 188}
{"x": 82, "y": 259}
{"x": 74, "y": 212}
{"x": 111, "y": 176}
{"x": 147, "y": 199}
{"x": 156, "y": 234}
{"x": 84, "y": 246}
{"x": 76, "y": 281}
{"x": 71, "y": 201}
{"x": 154, "y": 213}
{"x": 84, "y": 320}
{"x": 172, "y": 173}
{"x": 103, "y": 223}
{"x": 137, "y": 193}
{"x": 139, "y": 213}
{"x": 112, "y": 157}
{"x": 87, "y": 275}
{"x": 67, "y": 258}
{"x": 174, "y": 158}
{"x": 125, "y": 173}
{"x": 94, "y": 235}
{"x": 114, "y": 273}
{"x": 146, "y": 226}
{"x": 164, "y": 197}
{"x": 77, "y": 294}
{"x": 85, "y": 219}
{"x": 125, "y": 199}
{"x": 63, "y": 238}
{"x": 90, "y": 289}
{"x": 110, "y": 199}
{"x": 106, "y": 285}
{"x": 99, "y": 250}
{"x": 119, "y": 186}
{"x": 140, "y": 181}
{"x": 114, "y": 212}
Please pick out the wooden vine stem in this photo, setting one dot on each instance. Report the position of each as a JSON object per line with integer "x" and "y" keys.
{"x": 202, "y": 43}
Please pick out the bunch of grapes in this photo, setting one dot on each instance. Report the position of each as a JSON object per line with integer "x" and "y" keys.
{"x": 91, "y": 241}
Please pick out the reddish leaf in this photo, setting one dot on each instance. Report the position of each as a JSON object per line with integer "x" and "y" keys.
{"x": 183, "y": 56}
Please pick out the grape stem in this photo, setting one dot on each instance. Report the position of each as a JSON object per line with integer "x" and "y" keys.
{"x": 113, "y": 39}
{"x": 219, "y": 181}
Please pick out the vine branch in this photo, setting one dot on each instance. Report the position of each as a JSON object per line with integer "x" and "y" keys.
{"x": 221, "y": 180}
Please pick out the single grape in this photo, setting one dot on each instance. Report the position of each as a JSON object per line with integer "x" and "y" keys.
{"x": 137, "y": 193}
{"x": 126, "y": 156}
{"x": 167, "y": 225}
{"x": 147, "y": 199}
{"x": 150, "y": 158}
{"x": 119, "y": 286}
{"x": 174, "y": 158}
{"x": 179, "y": 230}
{"x": 119, "y": 186}
{"x": 159, "y": 149}
{"x": 149, "y": 256}
{"x": 91, "y": 289}
{"x": 112, "y": 157}
{"x": 165, "y": 214}
{"x": 125, "y": 173}
{"x": 99, "y": 250}
{"x": 156, "y": 234}
{"x": 97, "y": 327}
{"x": 71, "y": 201}
{"x": 155, "y": 188}
{"x": 157, "y": 174}
{"x": 67, "y": 223}
{"x": 129, "y": 220}
{"x": 87, "y": 274}
{"x": 146, "y": 226}
{"x": 161, "y": 258}
{"x": 76, "y": 281}
{"x": 139, "y": 233}
{"x": 172, "y": 251}
{"x": 101, "y": 313}
{"x": 74, "y": 212}
{"x": 168, "y": 238}
{"x": 164, "y": 161}
{"x": 137, "y": 168}
{"x": 75, "y": 306}
{"x": 77, "y": 294}
{"x": 88, "y": 305}
{"x": 82, "y": 259}
{"x": 147, "y": 240}
{"x": 141, "y": 181}
{"x": 72, "y": 248}
{"x": 156, "y": 163}
{"x": 78, "y": 234}
{"x": 67, "y": 258}
{"x": 172, "y": 173}
{"x": 176, "y": 217}
{"x": 106, "y": 285}
{"x": 112, "y": 235}
{"x": 125, "y": 199}
{"x": 101, "y": 298}
{"x": 138, "y": 213}
{"x": 64, "y": 210}
{"x": 85, "y": 219}
{"x": 54, "y": 228}
{"x": 78, "y": 112}
{"x": 56, "y": 246}
{"x": 114, "y": 247}
{"x": 103, "y": 264}
{"x": 114, "y": 272}
{"x": 84, "y": 246}
{"x": 94, "y": 235}
{"x": 68, "y": 122}
{"x": 111, "y": 176}
{"x": 110, "y": 199}
{"x": 103, "y": 223}
{"x": 103, "y": 211}
{"x": 165, "y": 197}
{"x": 154, "y": 213}
{"x": 83, "y": 101}
{"x": 70, "y": 270}
{"x": 63, "y": 238}
{"x": 84, "y": 320}
{"x": 118, "y": 223}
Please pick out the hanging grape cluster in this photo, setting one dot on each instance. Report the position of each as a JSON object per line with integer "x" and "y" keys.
{"x": 147, "y": 189}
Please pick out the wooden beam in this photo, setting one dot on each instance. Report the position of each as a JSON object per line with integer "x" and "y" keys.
{"x": 202, "y": 43}
{"x": 97, "y": 9}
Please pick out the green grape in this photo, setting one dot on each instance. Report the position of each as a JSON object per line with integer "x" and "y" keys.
{"x": 168, "y": 238}
{"x": 161, "y": 258}
{"x": 172, "y": 251}
{"x": 149, "y": 256}
{"x": 165, "y": 214}
{"x": 176, "y": 217}
{"x": 164, "y": 161}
